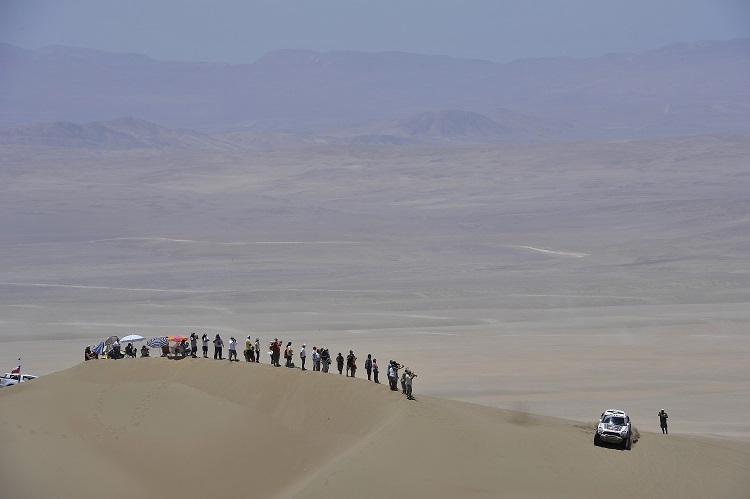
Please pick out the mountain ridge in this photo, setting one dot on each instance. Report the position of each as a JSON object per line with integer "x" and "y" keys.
{"x": 117, "y": 134}
{"x": 291, "y": 89}
{"x": 429, "y": 128}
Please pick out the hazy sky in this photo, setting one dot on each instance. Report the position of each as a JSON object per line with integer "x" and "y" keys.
{"x": 240, "y": 31}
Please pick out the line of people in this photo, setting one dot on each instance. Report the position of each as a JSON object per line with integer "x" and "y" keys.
{"x": 320, "y": 358}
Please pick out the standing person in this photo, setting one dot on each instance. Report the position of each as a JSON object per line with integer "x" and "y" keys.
{"x": 403, "y": 382}
{"x": 351, "y": 363}
{"x": 204, "y": 339}
{"x": 251, "y": 353}
{"x": 303, "y": 356}
{"x": 409, "y": 378}
{"x": 340, "y": 363}
{"x": 218, "y": 348}
{"x": 233, "y": 349}
{"x": 663, "y": 422}
{"x": 248, "y": 346}
{"x": 288, "y": 355}
{"x": 395, "y": 366}
{"x": 315, "y": 359}
{"x": 368, "y": 366}
{"x": 276, "y": 352}
{"x": 193, "y": 345}
{"x": 257, "y": 350}
{"x": 375, "y": 370}
{"x": 325, "y": 359}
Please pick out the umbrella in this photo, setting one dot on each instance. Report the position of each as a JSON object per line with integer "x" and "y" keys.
{"x": 157, "y": 342}
{"x": 99, "y": 348}
{"x": 132, "y": 337}
{"x": 177, "y": 337}
{"x": 110, "y": 341}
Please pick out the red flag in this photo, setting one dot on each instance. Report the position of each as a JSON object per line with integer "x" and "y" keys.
{"x": 17, "y": 369}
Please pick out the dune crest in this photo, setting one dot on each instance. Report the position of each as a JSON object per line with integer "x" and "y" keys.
{"x": 160, "y": 428}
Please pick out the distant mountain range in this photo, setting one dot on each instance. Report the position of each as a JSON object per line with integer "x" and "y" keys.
{"x": 426, "y": 128}
{"x": 354, "y": 97}
{"x": 120, "y": 133}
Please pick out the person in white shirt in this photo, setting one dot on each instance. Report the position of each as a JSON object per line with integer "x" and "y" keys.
{"x": 205, "y": 341}
{"x": 303, "y": 356}
{"x": 257, "y": 350}
{"x": 408, "y": 377}
{"x": 315, "y": 359}
{"x": 233, "y": 349}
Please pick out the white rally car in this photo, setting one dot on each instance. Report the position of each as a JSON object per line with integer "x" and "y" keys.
{"x": 10, "y": 379}
{"x": 614, "y": 427}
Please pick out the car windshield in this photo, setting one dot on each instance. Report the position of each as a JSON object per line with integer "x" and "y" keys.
{"x": 616, "y": 420}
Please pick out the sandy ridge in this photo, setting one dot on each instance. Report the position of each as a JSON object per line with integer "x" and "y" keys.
{"x": 305, "y": 434}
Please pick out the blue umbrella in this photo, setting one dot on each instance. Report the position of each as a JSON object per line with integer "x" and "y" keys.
{"x": 158, "y": 342}
{"x": 99, "y": 348}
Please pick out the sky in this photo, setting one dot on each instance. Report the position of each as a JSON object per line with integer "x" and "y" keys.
{"x": 241, "y": 31}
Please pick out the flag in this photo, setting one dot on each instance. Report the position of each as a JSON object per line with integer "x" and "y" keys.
{"x": 17, "y": 369}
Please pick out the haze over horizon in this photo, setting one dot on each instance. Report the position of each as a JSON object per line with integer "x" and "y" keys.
{"x": 240, "y": 32}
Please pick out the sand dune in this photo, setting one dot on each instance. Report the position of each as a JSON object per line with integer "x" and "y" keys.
{"x": 200, "y": 428}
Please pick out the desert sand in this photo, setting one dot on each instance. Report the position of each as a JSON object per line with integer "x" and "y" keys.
{"x": 199, "y": 428}
{"x": 549, "y": 279}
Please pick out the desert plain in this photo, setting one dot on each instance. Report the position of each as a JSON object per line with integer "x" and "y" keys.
{"x": 530, "y": 286}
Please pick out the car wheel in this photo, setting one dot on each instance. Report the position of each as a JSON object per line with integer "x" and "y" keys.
{"x": 597, "y": 440}
{"x": 628, "y": 443}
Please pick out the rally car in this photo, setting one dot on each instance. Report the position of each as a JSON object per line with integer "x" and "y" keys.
{"x": 614, "y": 427}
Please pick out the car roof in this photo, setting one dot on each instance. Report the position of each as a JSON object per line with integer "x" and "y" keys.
{"x": 615, "y": 412}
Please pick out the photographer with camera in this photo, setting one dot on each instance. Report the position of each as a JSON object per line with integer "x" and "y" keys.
{"x": 408, "y": 378}
{"x": 663, "y": 422}
{"x": 233, "y": 349}
{"x": 205, "y": 341}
